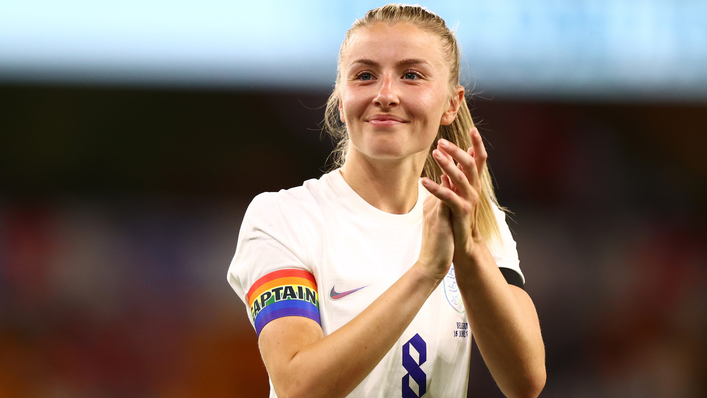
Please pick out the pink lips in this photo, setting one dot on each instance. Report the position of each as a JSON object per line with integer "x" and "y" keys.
{"x": 385, "y": 120}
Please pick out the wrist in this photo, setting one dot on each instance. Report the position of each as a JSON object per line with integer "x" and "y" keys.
{"x": 469, "y": 248}
{"x": 428, "y": 274}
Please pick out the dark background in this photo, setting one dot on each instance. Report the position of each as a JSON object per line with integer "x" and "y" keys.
{"x": 120, "y": 208}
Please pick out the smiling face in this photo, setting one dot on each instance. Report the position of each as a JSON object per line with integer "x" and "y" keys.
{"x": 394, "y": 91}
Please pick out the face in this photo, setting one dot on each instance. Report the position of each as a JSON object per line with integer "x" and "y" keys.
{"x": 394, "y": 91}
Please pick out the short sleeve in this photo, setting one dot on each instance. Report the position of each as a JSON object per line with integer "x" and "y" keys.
{"x": 269, "y": 270}
{"x": 505, "y": 252}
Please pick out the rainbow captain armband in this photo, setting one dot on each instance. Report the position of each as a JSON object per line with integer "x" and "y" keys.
{"x": 288, "y": 292}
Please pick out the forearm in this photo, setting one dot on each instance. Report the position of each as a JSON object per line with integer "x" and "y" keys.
{"x": 504, "y": 324}
{"x": 334, "y": 365}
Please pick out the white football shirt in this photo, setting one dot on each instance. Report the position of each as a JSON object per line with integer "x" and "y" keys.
{"x": 322, "y": 252}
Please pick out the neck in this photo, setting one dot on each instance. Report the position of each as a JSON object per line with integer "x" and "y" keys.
{"x": 388, "y": 185}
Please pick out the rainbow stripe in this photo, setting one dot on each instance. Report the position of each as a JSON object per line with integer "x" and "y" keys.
{"x": 289, "y": 292}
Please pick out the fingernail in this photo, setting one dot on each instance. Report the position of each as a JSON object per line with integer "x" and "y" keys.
{"x": 443, "y": 142}
{"x": 437, "y": 154}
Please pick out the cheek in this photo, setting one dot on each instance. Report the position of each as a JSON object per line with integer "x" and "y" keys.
{"x": 432, "y": 106}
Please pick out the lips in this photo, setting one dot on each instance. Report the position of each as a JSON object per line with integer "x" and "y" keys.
{"x": 385, "y": 120}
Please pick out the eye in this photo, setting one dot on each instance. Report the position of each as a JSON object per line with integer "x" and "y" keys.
{"x": 365, "y": 76}
{"x": 411, "y": 75}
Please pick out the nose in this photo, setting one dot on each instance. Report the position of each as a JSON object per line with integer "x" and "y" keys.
{"x": 386, "y": 95}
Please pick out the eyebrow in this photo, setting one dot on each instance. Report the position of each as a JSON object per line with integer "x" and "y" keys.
{"x": 404, "y": 62}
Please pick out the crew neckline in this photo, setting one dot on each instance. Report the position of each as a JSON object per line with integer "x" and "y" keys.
{"x": 348, "y": 195}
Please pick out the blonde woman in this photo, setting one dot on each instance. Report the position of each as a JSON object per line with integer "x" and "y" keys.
{"x": 371, "y": 280}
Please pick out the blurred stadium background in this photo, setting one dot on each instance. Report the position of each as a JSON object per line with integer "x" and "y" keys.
{"x": 134, "y": 134}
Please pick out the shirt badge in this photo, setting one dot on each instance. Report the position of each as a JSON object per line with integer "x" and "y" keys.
{"x": 451, "y": 291}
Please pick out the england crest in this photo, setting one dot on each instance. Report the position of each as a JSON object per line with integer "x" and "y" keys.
{"x": 451, "y": 291}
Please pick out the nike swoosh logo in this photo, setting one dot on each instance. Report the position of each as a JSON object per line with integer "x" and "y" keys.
{"x": 336, "y": 295}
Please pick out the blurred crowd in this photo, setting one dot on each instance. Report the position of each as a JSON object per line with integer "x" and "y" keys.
{"x": 122, "y": 298}
{"x": 124, "y": 295}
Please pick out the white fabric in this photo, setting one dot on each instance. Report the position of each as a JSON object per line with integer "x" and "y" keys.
{"x": 324, "y": 227}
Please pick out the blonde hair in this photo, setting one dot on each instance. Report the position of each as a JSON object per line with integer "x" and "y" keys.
{"x": 457, "y": 132}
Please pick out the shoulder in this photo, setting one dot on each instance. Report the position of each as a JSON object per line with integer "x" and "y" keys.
{"x": 293, "y": 198}
{"x": 504, "y": 250}
{"x": 280, "y": 231}
{"x": 285, "y": 206}
{"x": 290, "y": 217}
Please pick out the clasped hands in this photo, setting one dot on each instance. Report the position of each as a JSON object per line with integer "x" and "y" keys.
{"x": 450, "y": 214}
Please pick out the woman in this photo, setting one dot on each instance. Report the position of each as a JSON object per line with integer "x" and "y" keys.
{"x": 370, "y": 281}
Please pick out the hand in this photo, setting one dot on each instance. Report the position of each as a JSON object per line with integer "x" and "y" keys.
{"x": 461, "y": 188}
{"x": 437, "y": 238}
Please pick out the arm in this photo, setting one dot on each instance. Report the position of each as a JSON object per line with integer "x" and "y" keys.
{"x": 303, "y": 363}
{"x": 505, "y": 325}
{"x": 502, "y": 317}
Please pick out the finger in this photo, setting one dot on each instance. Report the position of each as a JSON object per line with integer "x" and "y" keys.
{"x": 458, "y": 206}
{"x": 451, "y": 183}
{"x": 446, "y": 182}
{"x": 464, "y": 159}
{"x": 445, "y": 153}
{"x": 479, "y": 150}
{"x": 456, "y": 176}
{"x": 432, "y": 203}
{"x": 445, "y": 177}
{"x": 472, "y": 171}
{"x": 465, "y": 162}
{"x": 454, "y": 152}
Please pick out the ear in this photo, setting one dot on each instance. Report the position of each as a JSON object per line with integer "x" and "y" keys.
{"x": 341, "y": 112}
{"x": 455, "y": 103}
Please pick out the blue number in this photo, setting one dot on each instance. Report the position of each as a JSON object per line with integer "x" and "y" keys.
{"x": 413, "y": 367}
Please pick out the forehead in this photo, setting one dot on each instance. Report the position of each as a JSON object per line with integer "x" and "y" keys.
{"x": 402, "y": 40}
